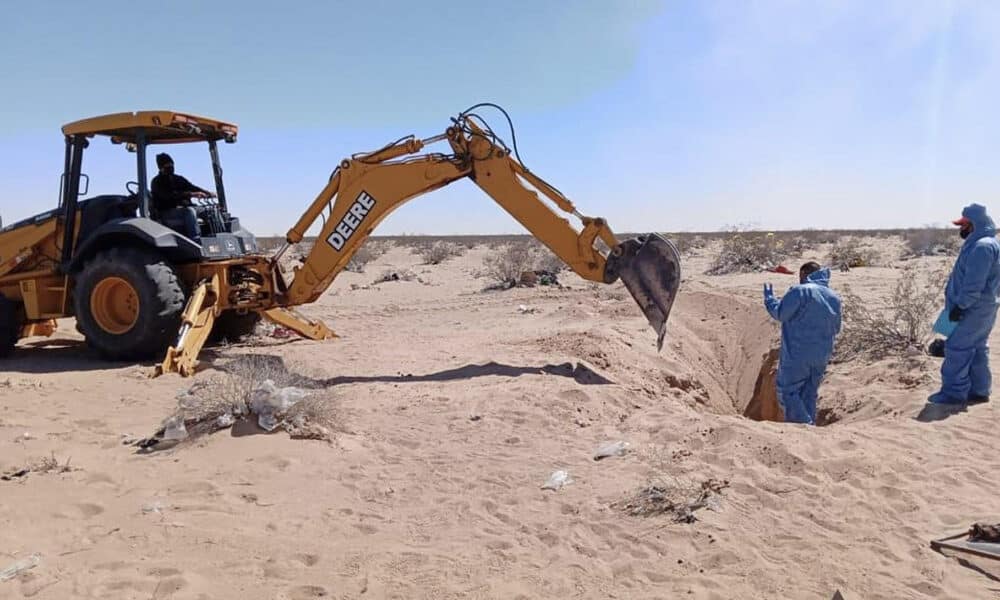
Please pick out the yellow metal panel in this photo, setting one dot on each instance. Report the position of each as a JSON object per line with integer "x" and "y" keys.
{"x": 29, "y": 295}
{"x": 158, "y": 125}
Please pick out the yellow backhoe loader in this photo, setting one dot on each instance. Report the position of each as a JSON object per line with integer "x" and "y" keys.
{"x": 140, "y": 288}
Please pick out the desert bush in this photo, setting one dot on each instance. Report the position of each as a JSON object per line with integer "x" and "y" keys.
{"x": 545, "y": 259}
{"x": 506, "y": 264}
{"x": 800, "y": 244}
{"x": 369, "y": 251}
{"x": 748, "y": 252}
{"x": 521, "y": 263}
{"x": 849, "y": 252}
{"x": 876, "y": 330}
{"x": 439, "y": 251}
{"x": 929, "y": 241}
{"x": 222, "y": 400}
{"x": 687, "y": 244}
{"x": 815, "y": 237}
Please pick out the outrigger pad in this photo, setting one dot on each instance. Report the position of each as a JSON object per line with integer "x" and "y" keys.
{"x": 650, "y": 268}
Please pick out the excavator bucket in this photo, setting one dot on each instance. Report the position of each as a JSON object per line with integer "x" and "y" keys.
{"x": 650, "y": 268}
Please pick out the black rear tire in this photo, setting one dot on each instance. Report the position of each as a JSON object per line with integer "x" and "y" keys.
{"x": 233, "y": 327}
{"x": 157, "y": 292}
{"x": 10, "y": 327}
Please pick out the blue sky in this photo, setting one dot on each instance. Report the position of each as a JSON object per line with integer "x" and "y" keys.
{"x": 658, "y": 115}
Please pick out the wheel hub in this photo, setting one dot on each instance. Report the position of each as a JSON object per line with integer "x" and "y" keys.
{"x": 114, "y": 304}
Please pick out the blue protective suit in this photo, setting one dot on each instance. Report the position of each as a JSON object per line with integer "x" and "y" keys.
{"x": 810, "y": 316}
{"x": 973, "y": 287}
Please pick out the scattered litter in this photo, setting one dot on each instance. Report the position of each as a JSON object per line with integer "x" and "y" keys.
{"x": 153, "y": 507}
{"x": 44, "y": 465}
{"x": 526, "y": 310}
{"x": 15, "y": 474}
{"x": 225, "y": 420}
{"x": 174, "y": 429}
{"x": 611, "y": 449}
{"x": 680, "y": 501}
{"x": 475, "y": 417}
{"x": 16, "y": 568}
{"x": 128, "y": 439}
{"x": 556, "y": 480}
{"x": 268, "y": 401}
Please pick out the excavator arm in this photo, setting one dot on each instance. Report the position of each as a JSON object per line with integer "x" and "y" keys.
{"x": 365, "y": 189}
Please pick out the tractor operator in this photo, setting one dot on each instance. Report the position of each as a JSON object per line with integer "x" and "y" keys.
{"x": 172, "y": 195}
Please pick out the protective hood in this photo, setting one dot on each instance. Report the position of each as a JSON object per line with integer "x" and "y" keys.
{"x": 981, "y": 222}
{"x": 821, "y": 277}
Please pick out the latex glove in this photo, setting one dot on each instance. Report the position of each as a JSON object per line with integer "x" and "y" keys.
{"x": 768, "y": 291}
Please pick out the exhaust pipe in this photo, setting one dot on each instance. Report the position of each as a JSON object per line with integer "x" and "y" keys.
{"x": 650, "y": 268}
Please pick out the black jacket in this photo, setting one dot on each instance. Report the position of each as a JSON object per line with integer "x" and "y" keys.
{"x": 171, "y": 191}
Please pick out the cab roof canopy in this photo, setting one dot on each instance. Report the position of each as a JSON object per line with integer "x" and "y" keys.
{"x": 159, "y": 127}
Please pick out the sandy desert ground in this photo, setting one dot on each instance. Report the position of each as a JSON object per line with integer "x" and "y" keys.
{"x": 452, "y": 407}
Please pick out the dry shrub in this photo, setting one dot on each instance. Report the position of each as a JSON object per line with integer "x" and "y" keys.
{"x": 849, "y": 253}
{"x": 219, "y": 401}
{"x": 545, "y": 259}
{"x": 930, "y": 242}
{"x": 688, "y": 244}
{"x": 369, "y": 251}
{"x": 800, "y": 244}
{"x": 748, "y": 252}
{"x": 677, "y": 499}
{"x": 817, "y": 237}
{"x": 877, "y": 330}
{"x": 390, "y": 275}
{"x": 505, "y": 265}
{"x": 521, "y": 263}
{"x": 438, "y": 252}
{"x": 665, "y": 494}
{"x": 49, "y": 464}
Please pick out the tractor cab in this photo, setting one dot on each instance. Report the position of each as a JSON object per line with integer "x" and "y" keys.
{"x": 107, "y": 218}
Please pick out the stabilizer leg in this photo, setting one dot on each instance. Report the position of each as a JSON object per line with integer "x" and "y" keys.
{"x": 196, "y": 324}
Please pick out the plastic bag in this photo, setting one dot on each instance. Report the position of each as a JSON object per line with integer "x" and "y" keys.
{"x": 15, "y": 569}
{"x": 556, "y": 480}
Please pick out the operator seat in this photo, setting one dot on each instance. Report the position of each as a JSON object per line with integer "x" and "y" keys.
{"x": 174, "y": 223}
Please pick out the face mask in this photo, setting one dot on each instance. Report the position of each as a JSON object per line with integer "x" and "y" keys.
{"x": 964, "y": 232}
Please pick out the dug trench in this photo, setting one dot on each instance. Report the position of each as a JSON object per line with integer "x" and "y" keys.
{"x": 730, "y": 350}
{"x": 721, "y": 356}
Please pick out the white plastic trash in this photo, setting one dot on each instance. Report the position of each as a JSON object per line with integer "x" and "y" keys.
{"x": 556, "y": 480}
{"x": 174, "y": 429}
{"x": 16, "y": 568}
{"x": 611, "y": 449}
